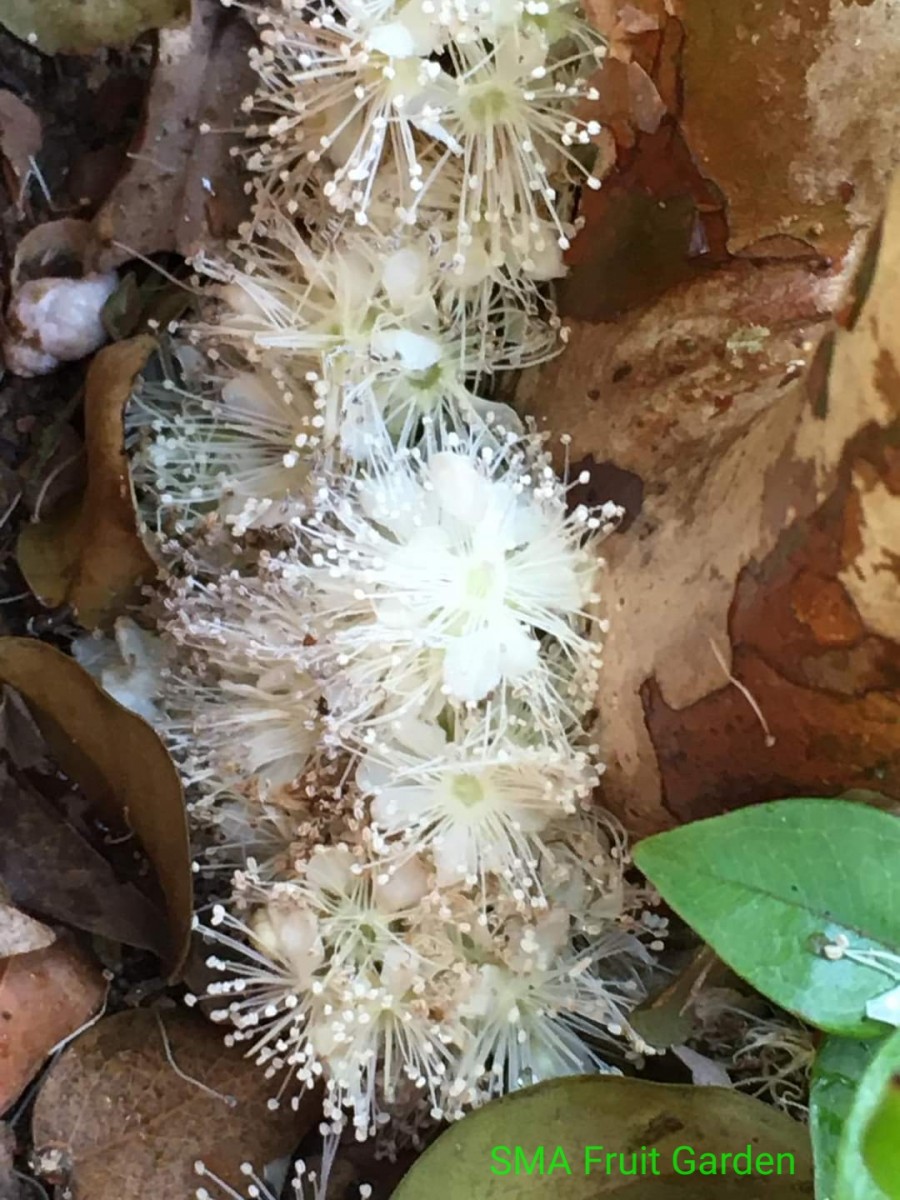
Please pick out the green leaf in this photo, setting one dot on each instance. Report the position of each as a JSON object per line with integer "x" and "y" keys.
{"x": 881, "y": 1143}
{"x": 70, "y": 27}
{"x": 768, "y": 886}
{"x": 838, "y": 1068}
{"x": 865, "y": 1152}
{"x": 476, "y": 1158}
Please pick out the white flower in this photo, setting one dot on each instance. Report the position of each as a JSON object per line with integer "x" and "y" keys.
{"x": 346, "y": 86}
{"x": 479, "y": 802}
{"x": 361, "y": 86}
{"x": 243, "y": 727}
{"x": 393, "y": 991}
{"x": 539, "y": 1008}
{"x": 333, "y": 984}
{"x": 438, "y": 577}
{"x": 359, "y": 324}
{"x": 237, "y": 445}
{"x": 506, "y": 112}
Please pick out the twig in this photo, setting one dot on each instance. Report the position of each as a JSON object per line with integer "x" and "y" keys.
{"x": 745, "y": 692}
{"x": 231, "y": 1101}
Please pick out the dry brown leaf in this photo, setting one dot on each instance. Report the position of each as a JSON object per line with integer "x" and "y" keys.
{"x": 45, "y": 997}
{"x": 20, "y": 140}
{"x": 183, "y": 190}
{"x": 9, "y": 1184}
{"x": 126, "y": 1125}
{"x": 83, "y": 26}
{"x": 52, "y": 248}
{"x": 19, "y": 735}
{"x": 117, "y": 761}
{"x": 21, "y": 934}
{"x": 50, "y": 868}
{"x": 91, "y": 555}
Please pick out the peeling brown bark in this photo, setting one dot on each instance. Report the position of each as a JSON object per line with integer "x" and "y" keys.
{"x": 746, "y": 412}
{"x": 767, "y": 544}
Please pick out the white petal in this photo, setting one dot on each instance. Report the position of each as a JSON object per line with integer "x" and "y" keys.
{"x": 518, "y": 650}
{"x": 462, "y": 490}
{"x": 405, "y": 276}
{"x": 704, "y": 1071}
{"x": 454, "y": 856}
{"x": 414, "y": 350}
{"x": 394, "y": 808}
{"x": 329, "y": 869}
{"x": 472, "y": 665}
{"x": 405, "y": 888}
{"x": 393, "y": 39}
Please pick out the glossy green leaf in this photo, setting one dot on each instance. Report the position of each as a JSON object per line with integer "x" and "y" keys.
{"x": 551, "y": 1141}
{"x": 838, "y": 1068}
{"x": 881, "y": 1141}
{"x": 867, "y": 1130}
{"x": 769, "y": 886}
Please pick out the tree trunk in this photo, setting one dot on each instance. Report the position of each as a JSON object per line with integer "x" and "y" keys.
{"x": 751, "y": 428}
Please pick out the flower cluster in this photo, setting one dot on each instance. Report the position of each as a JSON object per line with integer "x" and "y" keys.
{"x": 383, "y": 633}
{"x": 497, "y": 96}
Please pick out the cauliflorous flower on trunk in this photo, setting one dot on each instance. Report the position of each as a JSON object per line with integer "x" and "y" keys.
{"x": 333, "y": 986}
{"x": 506, "y": 111}
{"x": 479, "y": 801}
{"x": 368, "y": 976}
{"x": 237, "y": 445}
{"x": 442, "y": 577}
{"x": 237, "y": 726}
{"x": 352, "y": 88}
{"x": 343, "y": 86}
{"x": 381, "y": 639}
{"x": 540, "y": 1008}
{"x": 358, "y": 323}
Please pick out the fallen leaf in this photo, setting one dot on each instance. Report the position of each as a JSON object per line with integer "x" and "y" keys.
{"x": 183, "y": 189}
{"x": 48, "y": 867}
{"x": 667, "y": 1019}
{"x": 21, "y": 738}
{"x": 91, "y": 555}
{"x": 125, "y": 1123}
{"x": 117, "y": 761}
{"x": 21, "y": 934}
{"x": 20, "y": 140}
{"x": 580, "y": 1120}
{"x": 9, "y": 1185}
{"x": 45, "y": 997}
{"x": 52, "y": 248}
{"x": 67, "y": 27}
